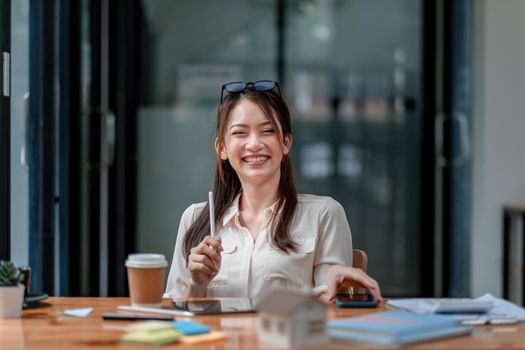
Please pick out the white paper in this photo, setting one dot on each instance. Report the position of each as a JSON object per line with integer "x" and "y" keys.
{"x": 501, "y": 309}
{"x": 83, "y": 312}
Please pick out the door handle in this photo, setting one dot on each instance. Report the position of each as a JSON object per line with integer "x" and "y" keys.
{"x": 464, "y": 139}
{"x": 6, "y": 74}
{"x": 24, "y": 150}
{"x": 108, "y": 136}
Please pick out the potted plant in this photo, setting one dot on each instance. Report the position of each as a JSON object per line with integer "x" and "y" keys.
{"x": 11, "y": 291}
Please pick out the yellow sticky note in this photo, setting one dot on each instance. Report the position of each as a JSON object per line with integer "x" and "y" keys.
{"x": 149, "y": 326}
{"x": 155, "y": 338}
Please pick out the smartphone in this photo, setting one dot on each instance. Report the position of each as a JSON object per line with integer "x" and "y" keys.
{"x": 355, "y": 300}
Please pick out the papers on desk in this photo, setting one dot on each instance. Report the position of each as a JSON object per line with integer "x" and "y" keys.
{"x": 82, "y": 312}
{"x": 502, "y": 311}
{"x": 503, "y": 308}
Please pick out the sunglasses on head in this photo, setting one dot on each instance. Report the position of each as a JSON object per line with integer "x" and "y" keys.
{"x": 261, "y": 85}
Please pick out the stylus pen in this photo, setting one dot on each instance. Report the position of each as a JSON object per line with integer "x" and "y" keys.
{"x": 156, "y": 310}
{"x": 212, "y": 213}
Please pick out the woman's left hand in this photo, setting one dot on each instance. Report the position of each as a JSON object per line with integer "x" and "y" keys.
{"x": 340, "y": 276}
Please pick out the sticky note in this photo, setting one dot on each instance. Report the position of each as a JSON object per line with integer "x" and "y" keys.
{"x": 193, "y": 339}
{"x": 190, "y": 328}
{"x": 149, "y": 326}
{"x": 83, "y": 312}
{"x": 165, "y": 336}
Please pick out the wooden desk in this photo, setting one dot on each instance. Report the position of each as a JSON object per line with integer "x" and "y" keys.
{"x": 47, "y": 328}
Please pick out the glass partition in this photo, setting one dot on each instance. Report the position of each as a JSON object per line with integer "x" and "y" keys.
{"x": 353, "y": 81}
{"x": 190, "y": 52}
{"x": 352, "y": 75}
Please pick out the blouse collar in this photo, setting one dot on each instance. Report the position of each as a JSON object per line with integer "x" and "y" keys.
{"x": 233, "y": 210}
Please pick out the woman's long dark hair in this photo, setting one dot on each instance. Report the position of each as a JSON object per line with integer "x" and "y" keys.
{"x": 227, "y": 186}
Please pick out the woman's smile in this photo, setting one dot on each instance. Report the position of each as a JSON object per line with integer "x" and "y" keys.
{"x": 255, "y": 159}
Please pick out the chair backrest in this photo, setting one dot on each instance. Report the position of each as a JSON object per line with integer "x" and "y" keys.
{"x": 360, "y": 259}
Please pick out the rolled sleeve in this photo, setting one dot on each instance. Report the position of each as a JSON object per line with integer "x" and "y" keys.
{"x": 179, "y": 277}
{"x": 334, "y": 241}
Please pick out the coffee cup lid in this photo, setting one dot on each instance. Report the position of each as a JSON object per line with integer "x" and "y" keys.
{"x": 146, "y": 260}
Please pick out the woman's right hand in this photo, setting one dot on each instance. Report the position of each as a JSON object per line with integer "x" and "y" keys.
{"x": 343, "y": 277}
{"x": 204, "y": 261}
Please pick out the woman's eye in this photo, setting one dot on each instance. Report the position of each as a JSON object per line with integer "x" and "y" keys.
{"x": 268, "y": 131}
{"x": 238, "y": 132}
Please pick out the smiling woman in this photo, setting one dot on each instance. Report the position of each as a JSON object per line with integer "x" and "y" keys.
{"x": 267, "y": 235}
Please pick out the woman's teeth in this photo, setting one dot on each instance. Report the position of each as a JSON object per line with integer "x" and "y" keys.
{"x": 255, "y": 159}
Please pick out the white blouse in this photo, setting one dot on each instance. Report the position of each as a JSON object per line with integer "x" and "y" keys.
{"x": 250, "y": 268}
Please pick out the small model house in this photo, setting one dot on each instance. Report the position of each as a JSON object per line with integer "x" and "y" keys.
{"x": 291, "y": 318}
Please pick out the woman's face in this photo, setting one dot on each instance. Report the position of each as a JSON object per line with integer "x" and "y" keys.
{"x": 252, "y": 145}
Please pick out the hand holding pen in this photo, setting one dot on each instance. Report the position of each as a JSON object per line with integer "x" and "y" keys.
{"x": 204, "y": 261}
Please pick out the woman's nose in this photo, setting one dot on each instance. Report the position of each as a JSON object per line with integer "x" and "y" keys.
{"x": 254, "y": 143}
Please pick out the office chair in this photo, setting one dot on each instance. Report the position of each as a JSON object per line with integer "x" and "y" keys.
{"x": 360, "y": 261}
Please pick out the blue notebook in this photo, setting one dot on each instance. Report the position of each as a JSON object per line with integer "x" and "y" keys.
{"x": 395, "y": 328}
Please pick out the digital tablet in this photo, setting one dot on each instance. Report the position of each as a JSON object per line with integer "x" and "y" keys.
{"x": 215, "y": 306}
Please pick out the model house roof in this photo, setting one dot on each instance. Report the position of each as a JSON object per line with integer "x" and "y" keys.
{"x": 284, "y": 301}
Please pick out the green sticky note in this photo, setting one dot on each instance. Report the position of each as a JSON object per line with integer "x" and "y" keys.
{"x": 155, "y": 338}
{"x": 148, "y": 326}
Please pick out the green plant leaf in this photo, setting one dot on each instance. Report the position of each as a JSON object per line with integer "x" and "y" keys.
{"x": 9, "y": 274}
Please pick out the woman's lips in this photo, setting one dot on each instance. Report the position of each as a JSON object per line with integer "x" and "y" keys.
{"x": 255, "y": 159}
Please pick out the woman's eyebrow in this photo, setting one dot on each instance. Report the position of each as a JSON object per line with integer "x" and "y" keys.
{"x": 240, "y": 125}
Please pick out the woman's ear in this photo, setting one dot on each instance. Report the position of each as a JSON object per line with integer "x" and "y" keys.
{"x": 219, "y": 148}
{"x": 287, "y": 144}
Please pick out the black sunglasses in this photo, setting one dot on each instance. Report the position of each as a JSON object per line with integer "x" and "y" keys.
{"x": 239, "y": 86}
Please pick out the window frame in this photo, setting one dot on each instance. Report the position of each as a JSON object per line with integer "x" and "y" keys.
{"x": 5, "y": 133}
